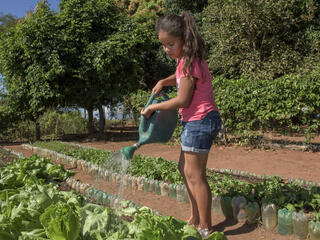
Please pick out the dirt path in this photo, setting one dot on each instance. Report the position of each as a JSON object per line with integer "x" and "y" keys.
{"x": 285, "y": 163}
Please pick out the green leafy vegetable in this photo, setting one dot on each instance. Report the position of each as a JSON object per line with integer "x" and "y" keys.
{"x": 61, "y": 222}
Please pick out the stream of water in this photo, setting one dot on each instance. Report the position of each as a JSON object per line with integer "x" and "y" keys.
{"x": 118, "y": 166}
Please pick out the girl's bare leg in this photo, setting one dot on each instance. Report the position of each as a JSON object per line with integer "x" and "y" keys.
{"x": 195, "y": 175}
{"x": 194, "y": 214}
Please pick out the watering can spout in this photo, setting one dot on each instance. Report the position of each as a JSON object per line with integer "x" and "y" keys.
{"x": 128, "y": 152}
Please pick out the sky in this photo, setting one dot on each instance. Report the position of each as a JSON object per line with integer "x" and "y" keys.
{"x": 19, "y": 8}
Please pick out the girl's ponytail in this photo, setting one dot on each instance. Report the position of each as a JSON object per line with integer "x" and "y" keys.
{"x": 193, "y": 46}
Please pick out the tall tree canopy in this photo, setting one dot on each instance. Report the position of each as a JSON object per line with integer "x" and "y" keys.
{"x": 30, "y": 63}
{"x": 7, "y": 20}
{"x": 103, "y": 51}
{"x": 86, "y": 55}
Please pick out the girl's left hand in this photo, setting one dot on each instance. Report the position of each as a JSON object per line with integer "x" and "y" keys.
{"x": 147, "y": 112}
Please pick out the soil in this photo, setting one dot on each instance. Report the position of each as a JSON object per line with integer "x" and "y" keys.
{"x": 279, "y": 161}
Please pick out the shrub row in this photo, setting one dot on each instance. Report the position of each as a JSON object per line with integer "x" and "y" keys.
{"x": 288, "y": 104}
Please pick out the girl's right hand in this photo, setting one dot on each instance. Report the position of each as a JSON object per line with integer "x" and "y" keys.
{"x": 158, "y": 87}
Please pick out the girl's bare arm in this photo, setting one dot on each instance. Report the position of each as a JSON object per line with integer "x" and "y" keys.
{"x": 169, "y": 81}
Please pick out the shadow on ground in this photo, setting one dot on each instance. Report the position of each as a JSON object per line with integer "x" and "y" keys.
{"x": 244, "y": 228}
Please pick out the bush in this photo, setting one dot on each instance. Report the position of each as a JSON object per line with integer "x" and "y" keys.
{"x": 262, "y": 39}
{"x": 289, "y": 104}
{"x": 55, "y": 124}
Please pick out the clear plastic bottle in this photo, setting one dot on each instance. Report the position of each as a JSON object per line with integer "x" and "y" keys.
{"x": 85, "y": 166}
{"x": 180, "y": 193}
{"x": 269, "y": 216}
{"x": 101, "y": 172}
{"x": 90, "y": 192}
{"x": 73, "y": 162}
{"x": 73, "y": 186}
{"x": 164, "y": 189}
{"x": 83, "y": 187}
{"x": 157, "y": 187}
{"x": 106, "y": 176}
{"x": 238, "y": 207}
{"x": 130, "y": 181}
{"x": 69, "y": 181}
{"x": 146, "y": 185}
{"x": 141, "y": 181}
{"x": 226, "y": 207}
{"x": 105, "y": 199}
{"x": 242, "y": 214}
{"x": 186, "y": 197}
{"x": 285, "y": 222}
{"x": 98, "y": 196}
{"x": 300, "y": 224}
{"x": 134, "y": 183}
{"x": 79, "y": 165}
{"x": 173, "y": 191}
{"x": 78, "y": 184}
{"x": 253, "y": 212}
{"x": 314, "y": 230}
{"x": 93, "y": 170}
{"x": 152, "y": 186}
{"x": 125, "y": 180}
{"x": 216, "y": 204}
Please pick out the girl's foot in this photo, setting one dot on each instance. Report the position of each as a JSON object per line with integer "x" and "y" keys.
{"x": 193, "y": 221}
{"x": 205, "y": 232}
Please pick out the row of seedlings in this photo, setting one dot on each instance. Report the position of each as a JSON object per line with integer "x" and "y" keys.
{"x": 238, "y": 208}
{"x": 174, "y": 191}
{"x": 248, "y": 175}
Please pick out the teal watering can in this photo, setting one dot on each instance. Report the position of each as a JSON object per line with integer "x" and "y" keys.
{"x": 158, "y": 128}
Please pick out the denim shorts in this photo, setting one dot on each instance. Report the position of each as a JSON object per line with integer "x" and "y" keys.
{"x": 197, "y": 136}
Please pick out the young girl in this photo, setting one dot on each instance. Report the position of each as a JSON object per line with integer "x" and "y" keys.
{"x": 199, "y": 113}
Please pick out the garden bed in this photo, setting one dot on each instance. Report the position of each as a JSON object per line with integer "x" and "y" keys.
{"x": 139, "y": 193}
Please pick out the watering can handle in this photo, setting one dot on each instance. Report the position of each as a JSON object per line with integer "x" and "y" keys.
{"x": 153, "y": 95}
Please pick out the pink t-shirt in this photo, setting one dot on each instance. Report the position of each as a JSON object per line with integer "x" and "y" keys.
{"x": 202, "y": 100}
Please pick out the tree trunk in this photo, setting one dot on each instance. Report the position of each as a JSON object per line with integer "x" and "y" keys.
{"x": 101, "y": 119}
{"x": 90, "y": 120}
{"x": 37, "y": 130}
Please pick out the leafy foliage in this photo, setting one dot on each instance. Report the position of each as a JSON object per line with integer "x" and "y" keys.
{"x": 37, "y": 210}
{"x": 262, "y": 39}
{"x": 61, "y": 221}
{"x": 30, "y": 64}
{"x": 289, "y": 103}
{"x": 55, "y": 124}
{"x": 6, "y": 20}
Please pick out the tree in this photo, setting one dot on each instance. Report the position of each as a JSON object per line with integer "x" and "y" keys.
{"x": 7, "y": 20}
{"x": 261, "y": 39}
{"x": 30, "y": 64}
{"x": 103, "y": 51}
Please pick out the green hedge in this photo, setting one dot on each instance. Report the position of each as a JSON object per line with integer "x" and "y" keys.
{"x": 287, "y": 104}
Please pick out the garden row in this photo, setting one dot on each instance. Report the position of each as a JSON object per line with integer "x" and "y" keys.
{"x": 33, "y": 208}
{"x": 293, "y": 206}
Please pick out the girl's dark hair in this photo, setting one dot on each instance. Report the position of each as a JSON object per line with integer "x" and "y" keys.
{"x": 184, "y": 27}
